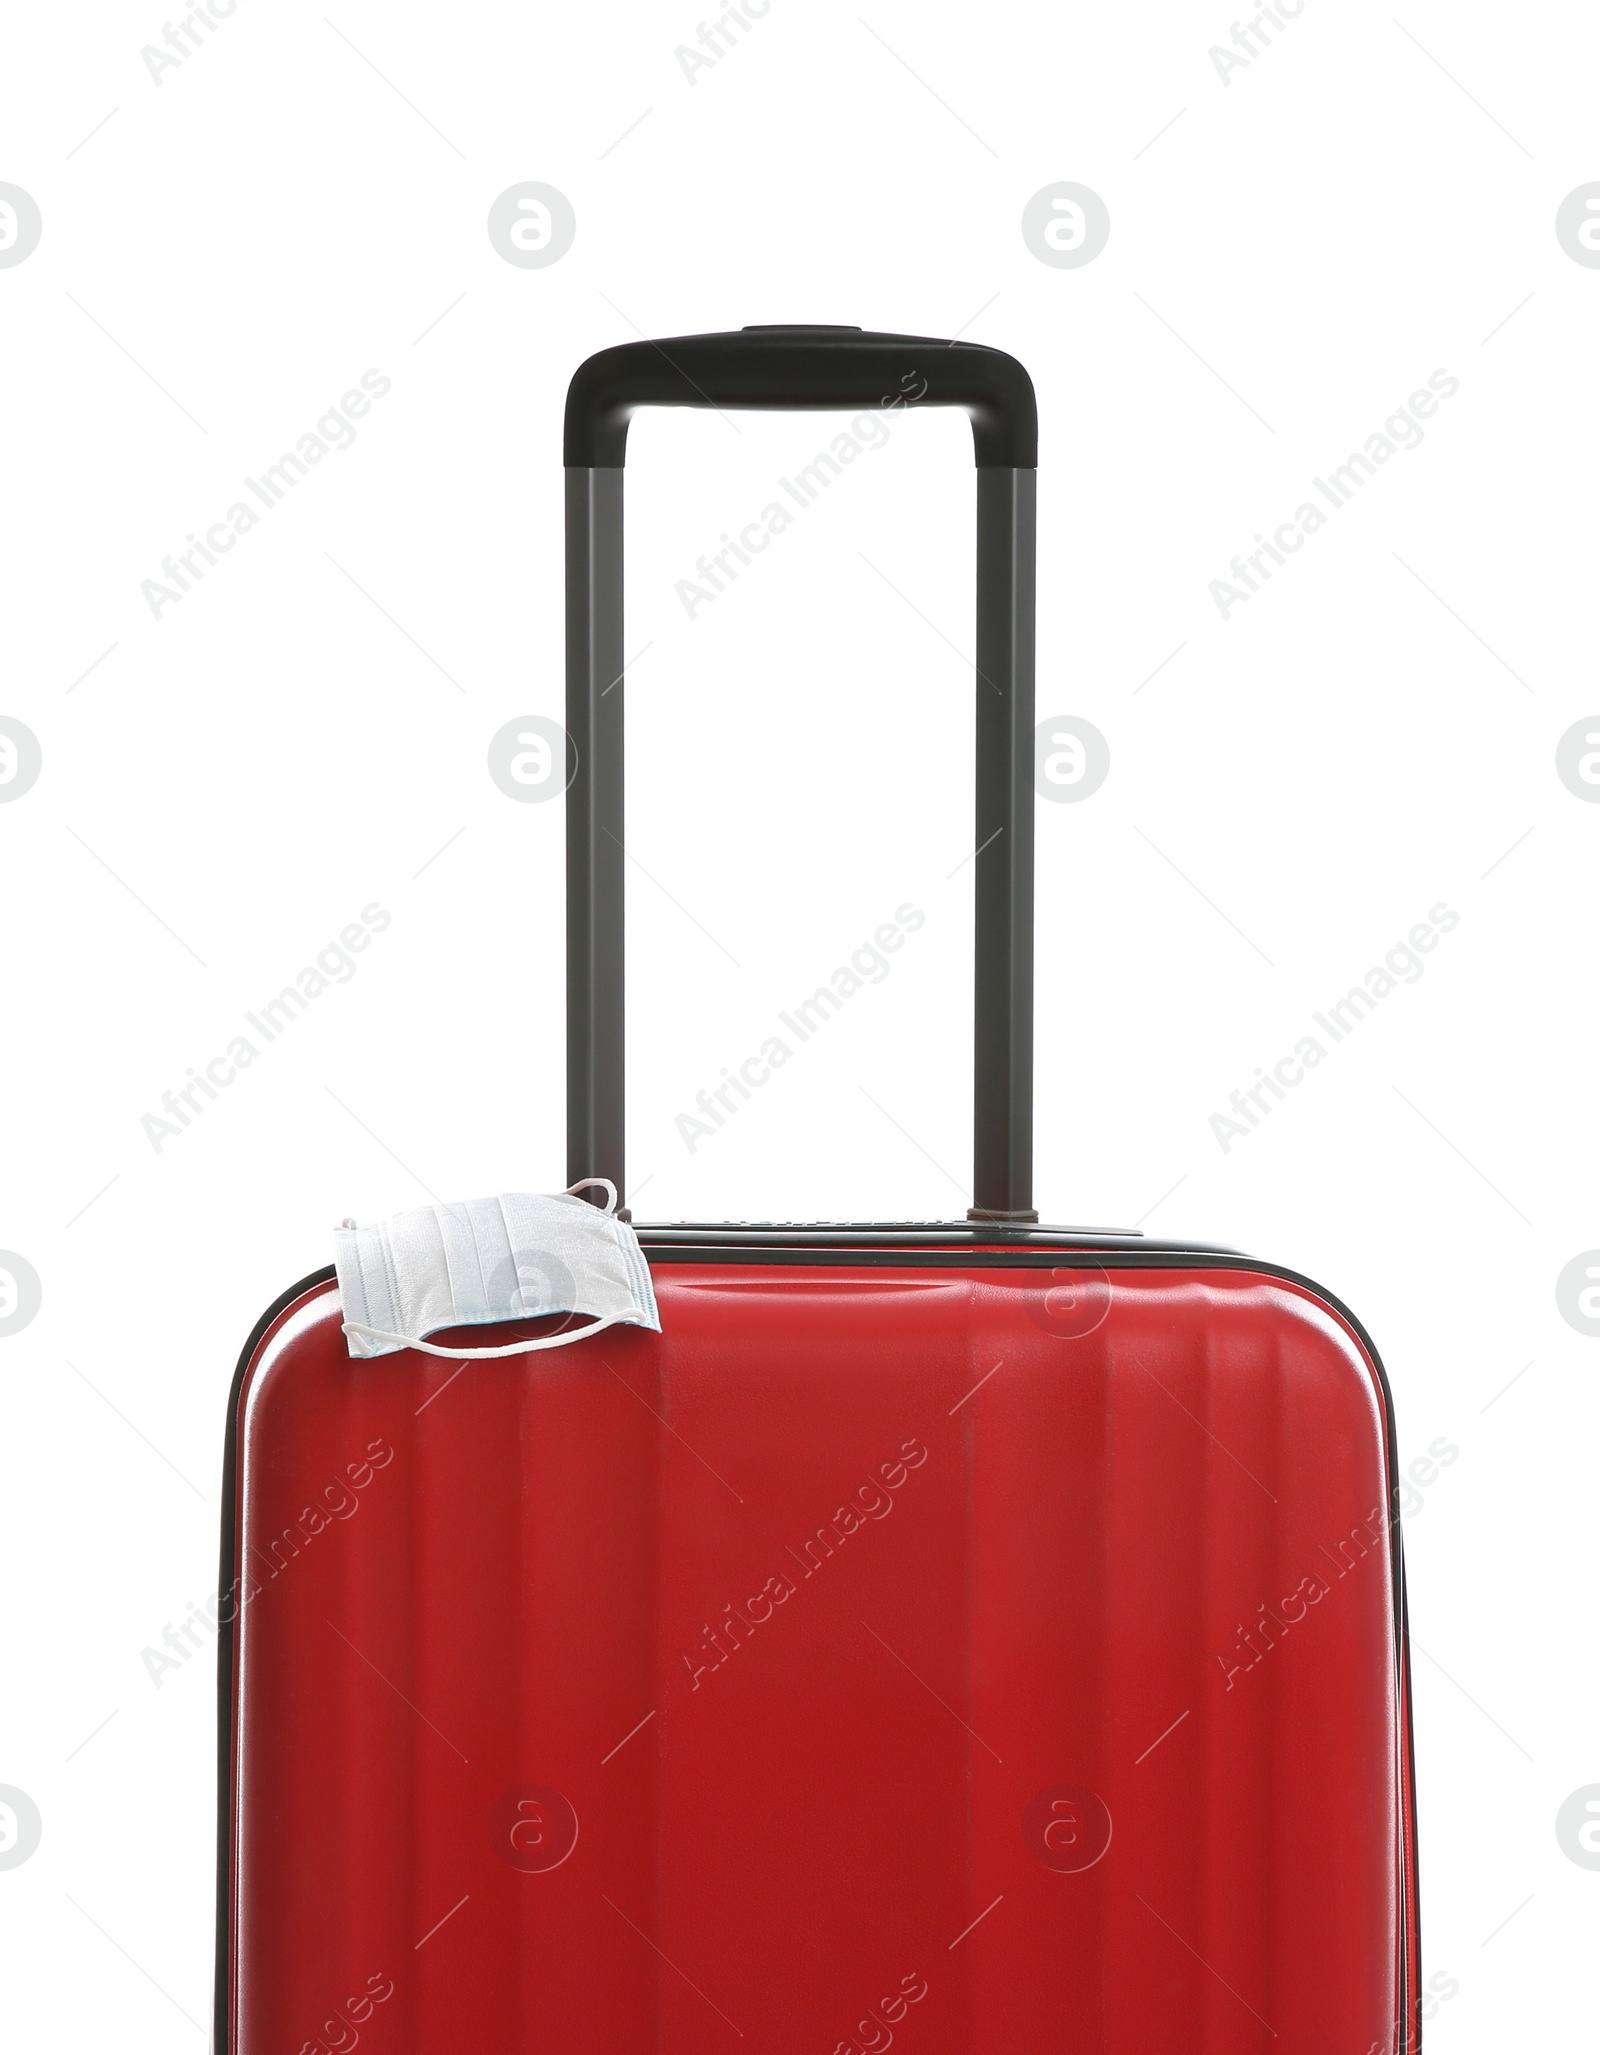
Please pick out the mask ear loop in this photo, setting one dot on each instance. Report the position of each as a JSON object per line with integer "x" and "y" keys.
{"x": 603, "y": 1184}
{"x": 510, "y": 1348}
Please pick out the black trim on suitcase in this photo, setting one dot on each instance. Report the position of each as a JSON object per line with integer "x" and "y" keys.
{"x": 225, "y": 1618}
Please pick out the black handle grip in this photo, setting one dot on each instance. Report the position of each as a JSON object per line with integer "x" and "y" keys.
{"x": 785, "y": 368}
{"x": 807, "y": 368}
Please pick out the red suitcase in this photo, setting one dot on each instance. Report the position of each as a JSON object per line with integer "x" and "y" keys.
{"x": 986, "y": 1637}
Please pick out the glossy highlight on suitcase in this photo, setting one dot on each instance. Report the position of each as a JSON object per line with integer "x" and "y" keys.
{"x": 980, "y": 1637}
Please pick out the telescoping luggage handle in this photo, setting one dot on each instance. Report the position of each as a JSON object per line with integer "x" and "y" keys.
{"x": 807, "y": 368}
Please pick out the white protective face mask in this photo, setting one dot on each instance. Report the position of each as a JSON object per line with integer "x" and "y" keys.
{"x": 516, "y": 1257}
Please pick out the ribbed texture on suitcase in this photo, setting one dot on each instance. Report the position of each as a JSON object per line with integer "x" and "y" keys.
{"x": 840, "y": 1619}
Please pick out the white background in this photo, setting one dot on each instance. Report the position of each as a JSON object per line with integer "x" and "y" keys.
{"x": 1291, "y": 789}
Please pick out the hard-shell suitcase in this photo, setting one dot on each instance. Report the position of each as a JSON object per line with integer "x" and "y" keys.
{"x": 987, "y": 1637}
